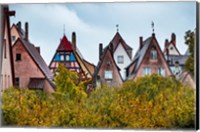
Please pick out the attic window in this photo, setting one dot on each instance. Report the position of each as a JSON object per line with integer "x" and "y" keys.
{"x": 153, "y": 54}
{"x": 108, "y": 62}
{"x": 120, "y": 59}
{"x": 171, "y": 48}
{"x": 18, "y": 57}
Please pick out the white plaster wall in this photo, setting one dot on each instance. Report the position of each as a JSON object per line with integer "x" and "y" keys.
{"x": 120, "y": 51}
{"x": 172, "y": 51}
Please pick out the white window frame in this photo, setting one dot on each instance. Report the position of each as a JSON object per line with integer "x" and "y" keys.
{"x": 120, "y": 59}
{"x": 161, "y": 71}
{"x": 108, "y": 75}
{"x": 62, "y": 57}
{"x": 146, "y": 71}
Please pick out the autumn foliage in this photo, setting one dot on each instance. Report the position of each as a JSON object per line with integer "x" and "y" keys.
{"x": 150, "y": 102}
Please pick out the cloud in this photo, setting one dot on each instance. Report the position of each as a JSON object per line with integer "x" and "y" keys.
{"x": 94, "y": 23}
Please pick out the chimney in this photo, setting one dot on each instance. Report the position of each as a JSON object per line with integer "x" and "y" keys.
{"x": 173, "y": 39}
{"x": 19, "y": 26}
{"x": 141, "y": 42}
{"x": 74, "y": 40}
{"x": 100, "y": 50}
{"x": 26, "y": 31}
{"x": 166, "y": 43}
{"x": 38, "y": 49}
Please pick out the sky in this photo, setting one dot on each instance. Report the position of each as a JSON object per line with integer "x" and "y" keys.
{"x": 95, "y": 23}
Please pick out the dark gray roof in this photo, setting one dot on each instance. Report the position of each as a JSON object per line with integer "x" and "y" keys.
{"x": 38, "y": 60}
{"x": 181, "y": 59}
{"x": 140, "y": 55}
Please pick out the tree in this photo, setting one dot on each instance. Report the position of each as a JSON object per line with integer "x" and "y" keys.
{"x": 189, "y": 40}
{"x": 68, "y": 83}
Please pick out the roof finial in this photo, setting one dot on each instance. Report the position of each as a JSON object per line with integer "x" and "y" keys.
{"x": 152, "y": 25}
{"x": 64, "y": 29}
{"x": 117, "y": 26}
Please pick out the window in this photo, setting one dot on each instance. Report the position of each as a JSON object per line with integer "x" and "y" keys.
{"x": 146, "y": 70}
{"x": 18, "y": 57}
{"x": 171, "y": 48}
{"x": 120, "y": 59}
{"x": 153, "y": 54}
{"x": 62, "y": 58}
{"x": 5, "y": 49}
{"x": 161, "y": 71}
{"x": 17, "y": 81}
{"x": 13, "y": 38}
{"x": 108, "y": 62}
{"x": 67, "y": 57}
{"x": 108, "y": 74}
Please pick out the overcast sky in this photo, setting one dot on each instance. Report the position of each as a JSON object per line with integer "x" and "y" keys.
{"x": 95, "y": 23}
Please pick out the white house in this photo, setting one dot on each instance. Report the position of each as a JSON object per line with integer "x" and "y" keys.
{"x": 122, "y": 53}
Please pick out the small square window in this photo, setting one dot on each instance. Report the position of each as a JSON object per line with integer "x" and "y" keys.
{"x": 120, "y": 59}
{"x": 108, "y": 74}
{"x": 17, "y": 81}
{"x": 18, "y": 57}
{"x": 147, "y": 70}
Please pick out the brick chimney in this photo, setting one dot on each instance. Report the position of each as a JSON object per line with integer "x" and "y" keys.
{"x": 100, "y": 50}
{"x": 166, "y": 43}
{"x": 173, "y": 39}
{"x": 26, "y": 31}
{"x": 141, "y": 42}
{"x": 19, "y": 26}
{"x": 74, "y": 40}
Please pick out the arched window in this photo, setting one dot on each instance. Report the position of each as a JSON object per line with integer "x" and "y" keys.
{"x": 153, "y": 54}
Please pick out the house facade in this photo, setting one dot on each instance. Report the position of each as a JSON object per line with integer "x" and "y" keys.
{"x": 149, "y": 59}
{"x": 31, "y": 70}
{"x": 7, "y": 67}
{"x": 107, "y": 72}
{"x": 122, "y": 53}
{"x": 68, "y": 54}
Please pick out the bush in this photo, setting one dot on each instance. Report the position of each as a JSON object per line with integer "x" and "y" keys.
{"x": 149, "y": 102}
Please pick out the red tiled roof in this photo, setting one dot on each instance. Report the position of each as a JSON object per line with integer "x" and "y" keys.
{"x": 64, "y": 44}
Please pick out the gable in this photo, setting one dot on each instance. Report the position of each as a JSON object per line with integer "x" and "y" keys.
{"x": 120, "y": 49}
{"x": 108, "y": 63}
{"x": 27, "y": 63}
{"x": 153, "y": 64}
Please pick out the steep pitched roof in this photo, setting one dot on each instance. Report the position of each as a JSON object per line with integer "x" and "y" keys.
{"x": 105, "y": 50}
{"x": 140, "y": 55}
{"x": 37, "y": 58}
{"x": 171, "y": 43}
{"x": 118, "y": 39}
{"x": 64, "y": 44}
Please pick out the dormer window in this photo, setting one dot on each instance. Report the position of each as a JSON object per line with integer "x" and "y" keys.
{"x": 153, "y": 54}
